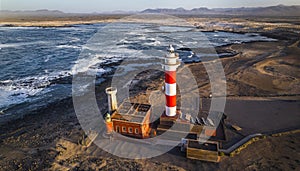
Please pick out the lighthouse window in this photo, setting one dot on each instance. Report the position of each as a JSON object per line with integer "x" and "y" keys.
{"x": 130, "y": 130}
{"x": 136, "y": 131}
{"x": 123, "y": 129}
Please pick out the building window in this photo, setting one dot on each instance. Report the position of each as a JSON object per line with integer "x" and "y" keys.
{"x": 117, "y": 128}
{"x": 136, "y": 131}
{"x": 123, "y": 129}
{"x": 130, "y": 130}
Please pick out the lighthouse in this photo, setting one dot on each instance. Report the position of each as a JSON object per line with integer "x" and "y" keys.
{"x": 170, "y": 65}
{"x": 112, "y": 99}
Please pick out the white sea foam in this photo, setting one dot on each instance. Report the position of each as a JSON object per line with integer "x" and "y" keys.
{"x": 155, "y": 43}
{"x": 174, "y": 29}
{"x": 96, "y": 71}
{"x": 68, "y": 46}
{"x": 6, "y": 28}
{"x": 12, "y": 45}
{"x": 74, "y": 39}
{"x": 13, "y": 94}
{"x": 47, "y": 58}
{"x": 18, "y": 91}
{"x": 84, "y": 64}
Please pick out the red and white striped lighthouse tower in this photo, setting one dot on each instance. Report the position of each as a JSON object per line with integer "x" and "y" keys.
{"x": 170, "y": 65}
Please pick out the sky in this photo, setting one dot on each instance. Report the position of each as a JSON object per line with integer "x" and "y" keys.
{"x": 89, "y": 6}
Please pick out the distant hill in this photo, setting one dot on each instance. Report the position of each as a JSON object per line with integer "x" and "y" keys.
{"x": 279, "y": 10}
{"x": 42, "y": 12}
{"x": 179, "y": 11}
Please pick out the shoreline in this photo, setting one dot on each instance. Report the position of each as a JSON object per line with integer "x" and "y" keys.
{"x": 49, "y": 24}
{"x": 251, "y": 97}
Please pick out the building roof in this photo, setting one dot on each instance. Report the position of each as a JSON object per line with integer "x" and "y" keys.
{"x": 197, "y": 126}
{"x": 208, "y": 145}
{"x": 132, "y": 112}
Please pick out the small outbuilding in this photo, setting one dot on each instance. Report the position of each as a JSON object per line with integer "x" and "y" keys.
{"x": 207, "y": 151}
{"x": 132, "y": 119}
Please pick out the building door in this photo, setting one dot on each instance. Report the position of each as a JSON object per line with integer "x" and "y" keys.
{"x": 118, "y": 128}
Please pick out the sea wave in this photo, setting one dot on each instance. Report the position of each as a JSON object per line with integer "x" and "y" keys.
{"x": 69, "y": 46}
{"x": 19, "y": 90}
{"x": 18, "y": 44}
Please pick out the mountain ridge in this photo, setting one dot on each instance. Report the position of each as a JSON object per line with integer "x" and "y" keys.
{"x": 279, "y": 10}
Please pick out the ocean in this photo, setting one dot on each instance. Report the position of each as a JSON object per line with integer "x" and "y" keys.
{"x": 36, "y": 63}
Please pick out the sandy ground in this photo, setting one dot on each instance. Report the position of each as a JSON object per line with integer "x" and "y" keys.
{"x": 56, "y": 21}
{"x": 263, "y": 96}
{"x": 50, "y": 140}
{"x": 52, "y": 23}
